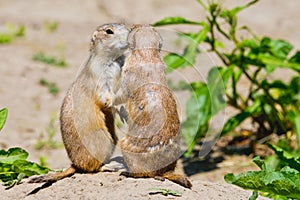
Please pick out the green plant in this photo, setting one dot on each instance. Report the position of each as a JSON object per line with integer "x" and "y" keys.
{"x": 40, "y": 56}
{"x": 3, "y": 116}
{"x": 13, "y": 164}
{"x": 52, "y": 87}
{"x": 50, "y": 26}
{"x": 11, "y": 33}
{"x": 43, "y": 161}
{"x": 49, "y": 142}
{"x": 165, "y": 192}
{"x": 273, "y": 105}
{"x": 276, "y": 179}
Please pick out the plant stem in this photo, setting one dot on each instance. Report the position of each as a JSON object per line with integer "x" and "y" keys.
{"x": 277, "y": 123}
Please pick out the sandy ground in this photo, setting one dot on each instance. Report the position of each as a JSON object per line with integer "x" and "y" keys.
{"x": 111, "y": 186}
{"x": 31, "y": 106}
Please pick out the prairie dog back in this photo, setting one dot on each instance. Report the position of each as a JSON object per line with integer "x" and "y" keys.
{"x": 151, "y": 146}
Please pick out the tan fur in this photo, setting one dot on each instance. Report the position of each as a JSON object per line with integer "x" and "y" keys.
{"x": 87, "y": 121}
{"x": 151, "y": 146}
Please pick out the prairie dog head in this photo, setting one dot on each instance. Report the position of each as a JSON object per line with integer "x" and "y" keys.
{"x": 144, "y": 37}
{"x": 110, "y": 39}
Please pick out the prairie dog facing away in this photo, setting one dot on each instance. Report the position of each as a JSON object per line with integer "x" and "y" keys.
{"x": 151, "y": 147}
{"x": 86, "y": 118}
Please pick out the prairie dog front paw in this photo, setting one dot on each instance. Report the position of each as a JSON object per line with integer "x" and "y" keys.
{"x": 107, "y": 99}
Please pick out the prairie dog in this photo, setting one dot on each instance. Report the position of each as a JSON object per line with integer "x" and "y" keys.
{"x": 151, "y": 147}
{"x": 86, "y": 118}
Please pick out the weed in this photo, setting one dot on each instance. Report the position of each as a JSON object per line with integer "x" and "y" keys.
{"x": 165, "y": 192}
{"x": 43, "y": 161}
{"x": 13, "y": 162}
{"x": 280, "y": 183}
{"x": 14, "y": 166}
{"x": 52, "y": 87}
{"x": 41, "y": 57}
{"x": 50, "y": 26}
{"x": 3, "y": 116}
{"x": 48, "y": 142}
{"x": 5, "y": 38}
{"x": 12, "y": 33}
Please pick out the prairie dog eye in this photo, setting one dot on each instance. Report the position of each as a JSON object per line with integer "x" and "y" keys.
{"x": 109, "y": 31}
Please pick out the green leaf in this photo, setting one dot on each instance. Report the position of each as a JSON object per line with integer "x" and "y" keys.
{"x": 20, "y": 177}
{"x": 278, "y": 48}
{"x": 254, "y": 195}
{"x": 251, "y": 43}
{"x": 236, "y": 120}
{"x": 5, "y": 38}
{"x": 3, "y": 116}
{"x": 226, "y": 73}
{"x": 198, "y": 114}
{"x": 272, "y": 162}
{"x": 269, "y": 53}
{"x": 188, "y": 58}
{"x": 52, "y": 87}
{"x": 237, "y": 9}
{"x": 202, "y": 4}
{"x": 277, "y": 84}
{"x": 174, "y": 61}
{"x": 217, "y": 80}
{"x": 14, "y": 166}
{"x": 270, "y": 68}
{"x": 285, "y": 182}
{"x": 270, "y": 60}
{"x": 11, "y": 183}
{"x": 207, "y": 100}
{"x": 11, "y": 33}
{"x": 16, "y": 31}
{"x": 29, "y": 168}
{"x": 286, "y": 94}
{"x": 295, "y": 58}
{"x": 51, "y": 26}
{"x": 175, "y": 20}
{"x": 272, "y": 54}
{"x": 286, "y": 157}
{"x": 296, "y": 123}
{"x": 12, "y": 155}
{"x": 40, "y": 56}
{"x": 167, "y": 192}
{"x": 260, "y": 163}
{"x": 295, "y": 86}
{"x": 192, "y": 48}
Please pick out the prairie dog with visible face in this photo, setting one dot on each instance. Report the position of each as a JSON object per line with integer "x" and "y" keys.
{"x": 86, "y": 118}
{"x": 151, "y": 146}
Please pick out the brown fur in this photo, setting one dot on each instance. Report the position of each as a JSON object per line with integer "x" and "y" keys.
{"x": 151, "y": 146}
{"x": 87, "y": 120}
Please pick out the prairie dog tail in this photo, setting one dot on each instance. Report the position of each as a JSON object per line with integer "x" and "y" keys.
{"x": 177, "y": 178}
{"x": 53, "y": 177}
